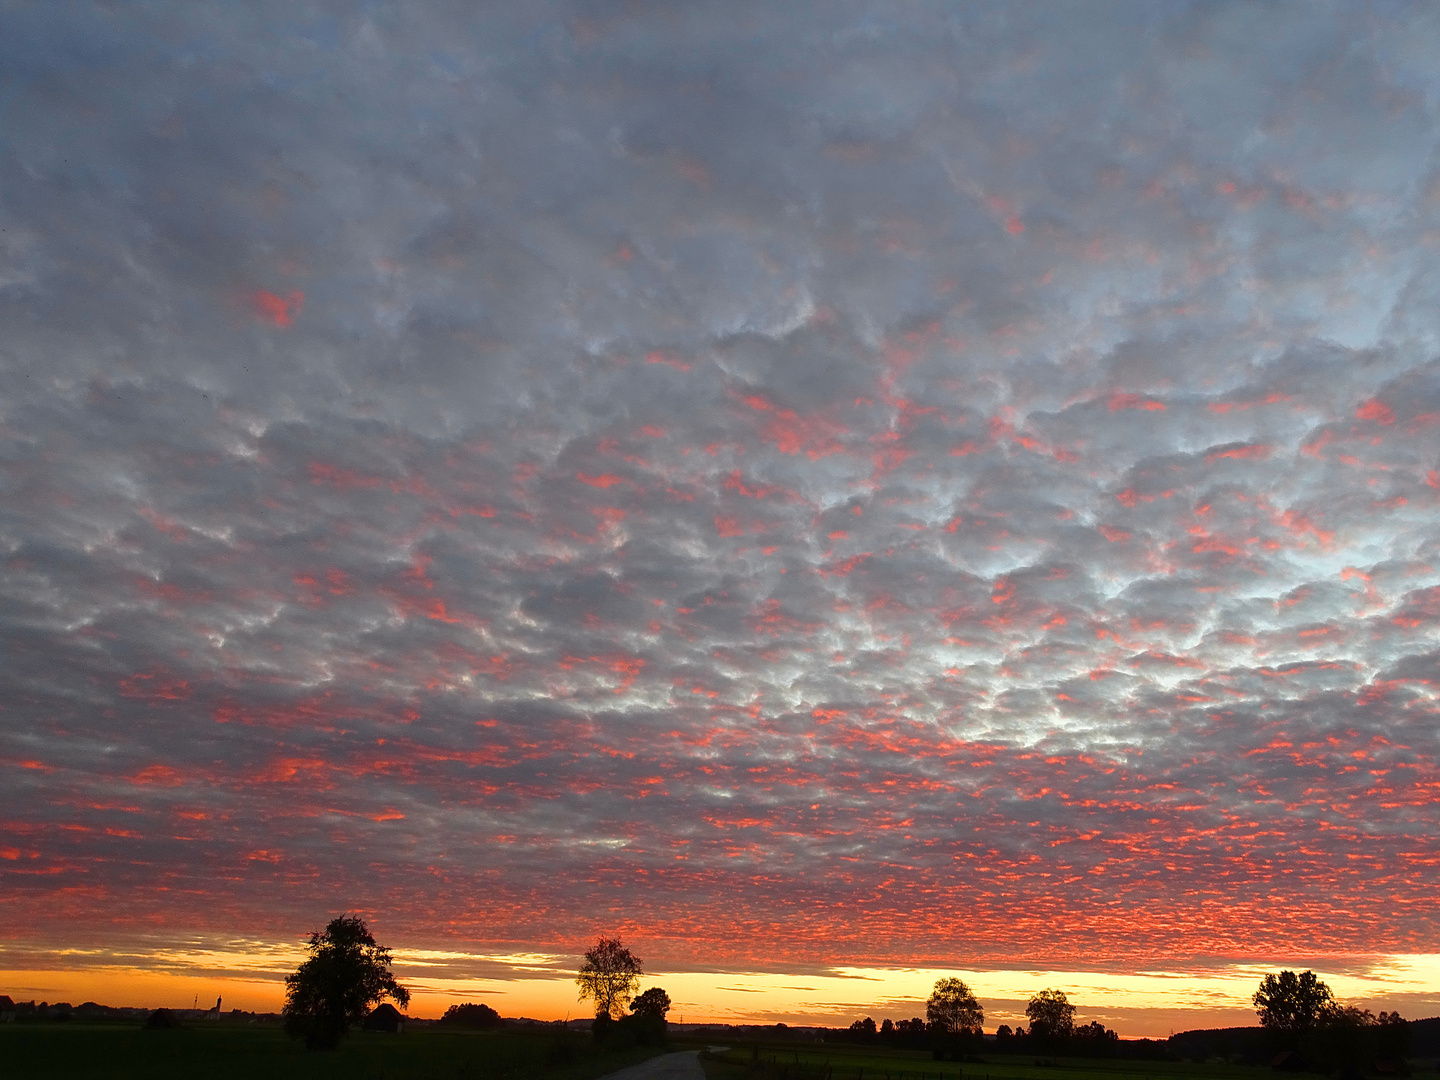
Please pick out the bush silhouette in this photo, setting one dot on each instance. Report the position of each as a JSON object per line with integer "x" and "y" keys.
{"x": 478, "y": 1016}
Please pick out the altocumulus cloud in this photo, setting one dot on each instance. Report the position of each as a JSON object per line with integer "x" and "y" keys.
{"x": 796, "y": 484}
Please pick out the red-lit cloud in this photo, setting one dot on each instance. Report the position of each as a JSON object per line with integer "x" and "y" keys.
{"x": 280, "y": 310}
{"x": 823, "y": 513}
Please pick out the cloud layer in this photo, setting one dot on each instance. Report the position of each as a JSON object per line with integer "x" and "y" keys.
{"x": 833, "y": 484}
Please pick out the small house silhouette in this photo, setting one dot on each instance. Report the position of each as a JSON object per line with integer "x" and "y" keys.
{"x": 161, "y": 1020}
{"x": 385, "y": 1017}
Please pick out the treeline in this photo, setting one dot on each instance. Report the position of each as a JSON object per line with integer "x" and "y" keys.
{"x": 1084, "y": 1040}
{"x": 1302, "y": 1028}
{"x": 1323, "y": 1048}
{"x": 954, "y": 1027}
{"x": 62, "y": 1012}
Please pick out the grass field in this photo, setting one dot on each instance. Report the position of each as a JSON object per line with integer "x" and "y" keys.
{"x": 78, "y": 1051}
{"x": 81, "y": 1051}
{"x": 839, "y": 1061}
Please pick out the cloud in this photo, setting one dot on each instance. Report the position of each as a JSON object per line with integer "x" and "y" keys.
{"x": 804, "y": 486}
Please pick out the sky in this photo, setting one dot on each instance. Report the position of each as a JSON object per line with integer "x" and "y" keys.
{"x": 835, "y": 494}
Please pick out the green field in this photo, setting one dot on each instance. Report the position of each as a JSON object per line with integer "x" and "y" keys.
{"x": 84, "y": 1051}
{"x": 79, "y": 1051}
{"x": 840, "y": 1061}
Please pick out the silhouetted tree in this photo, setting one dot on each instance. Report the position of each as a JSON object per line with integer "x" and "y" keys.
{"x": 953, "y": 1010}
{"x": 863, "y": 1030}
{"x": 887, "y": 1028}
{"x": 1003, "y": 1032}
{"x": 1051, "y": 1015}
{"x": 907, "y": 1034}
{"x": 1095, "y": 1034}
{"x": 1293, "y": 1003}
{"x": 653, "y": 1002}
{"x": 646, "y": 1021}
{"x": 609, "y": 975}
{"x": 1349, "y": 1017}
{"x": 954, "y": 1016}
{"x": 472, "y": 1016}
{"x": 1352, "y": 1039}
{"x": 1344, "y": 1039}
{"x": 345, "y": 974}
{"x": 1393, "y": 1035}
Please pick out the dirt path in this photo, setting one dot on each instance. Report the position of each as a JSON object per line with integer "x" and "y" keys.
{"x": 684, "y": 1066}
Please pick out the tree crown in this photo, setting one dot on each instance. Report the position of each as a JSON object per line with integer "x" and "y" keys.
{"x": 952, "y": 1008}
{"x": 1051, "y": 1015}
{"x": 345, "y": 973}
{"x": 1291, "y": 1002}
{"x": 653, "y": 1002}
{"x": 609, "y": 974}
{"x": 472, "y": 1015}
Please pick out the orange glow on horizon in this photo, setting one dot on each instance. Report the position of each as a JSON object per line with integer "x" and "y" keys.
{"x": 1136, "y": 1004}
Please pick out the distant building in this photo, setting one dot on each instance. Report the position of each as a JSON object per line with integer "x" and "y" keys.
{"x": 161, "y": 1019}
{"x": 385, "y": 1017}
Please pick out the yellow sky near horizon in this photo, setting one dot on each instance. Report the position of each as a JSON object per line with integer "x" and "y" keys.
{"x": 1143, "y": 1003}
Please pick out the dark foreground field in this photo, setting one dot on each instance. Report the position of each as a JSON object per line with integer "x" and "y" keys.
{"x": 838, "y": 1061}
{"x": 224, "y": 1052}
{"x": 79, "y": 1051}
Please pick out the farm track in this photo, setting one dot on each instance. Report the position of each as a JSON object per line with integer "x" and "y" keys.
{"x": 681, "y": 1066}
